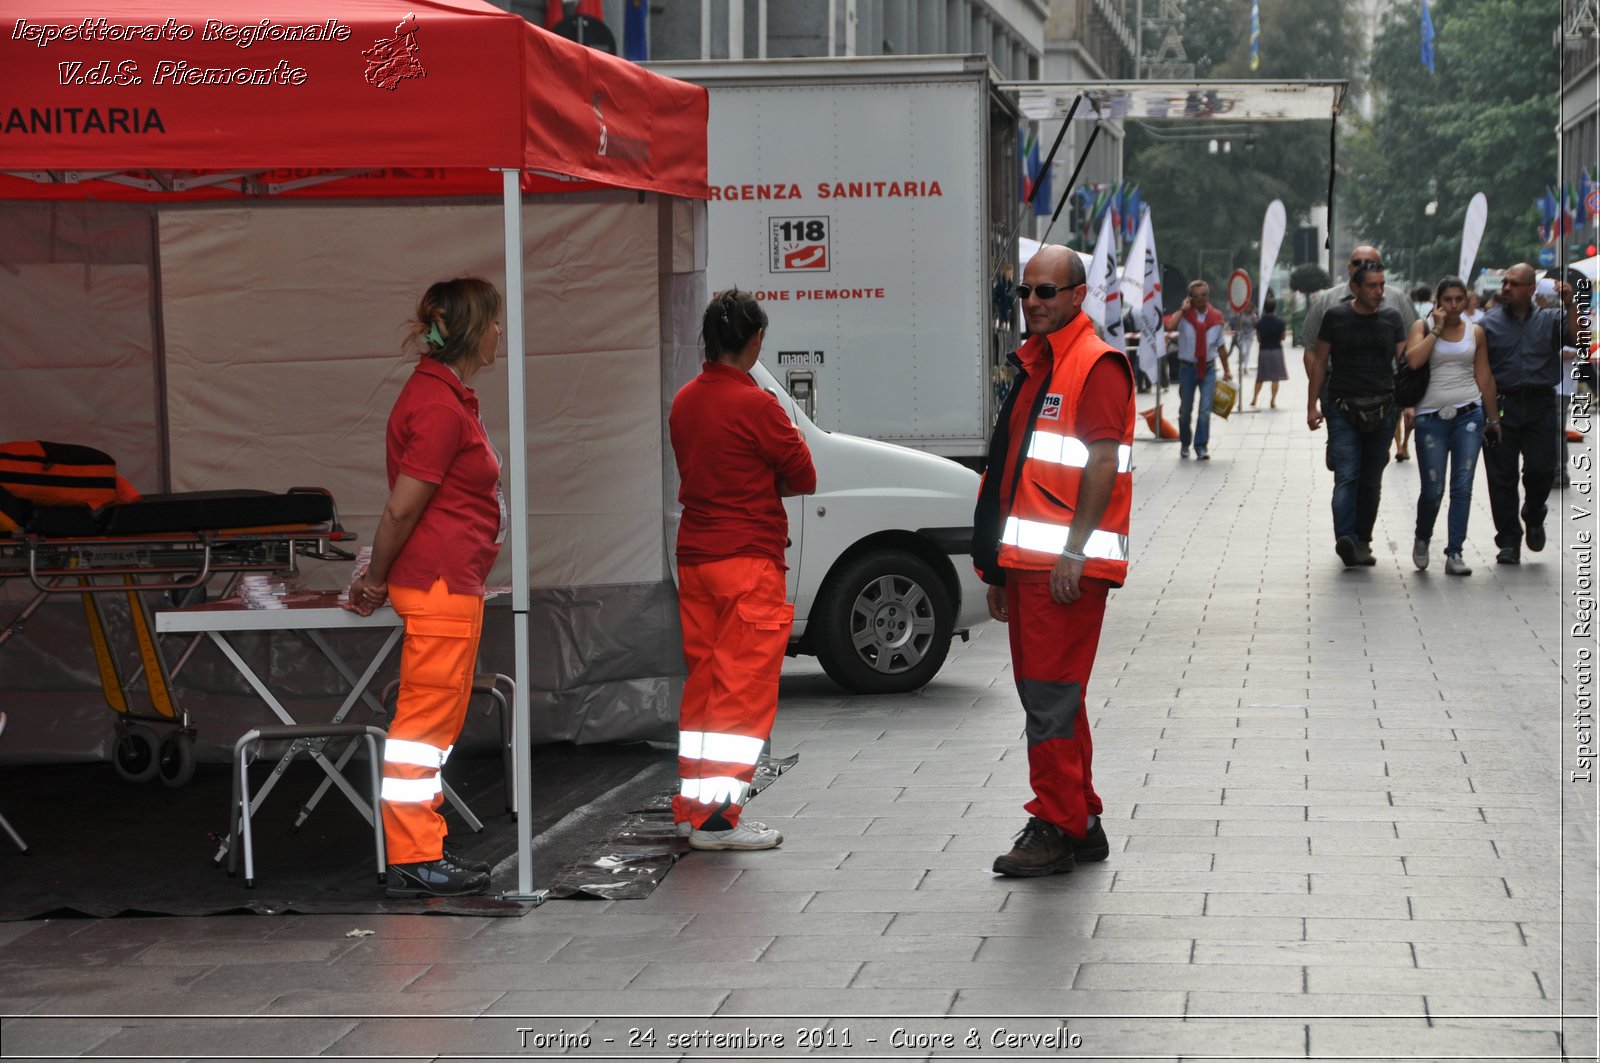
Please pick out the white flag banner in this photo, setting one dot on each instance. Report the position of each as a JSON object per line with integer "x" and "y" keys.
{"x": 1152, "y": 337}
{"x": 1272, "y": 229}
{"x": 1103, "y": 303}
{"x": 1472, "y": 235}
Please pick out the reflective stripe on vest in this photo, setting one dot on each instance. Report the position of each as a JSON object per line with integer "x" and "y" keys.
{"x": 1052, "y": 539}
{"x": 1071, "y": 452}
{"x": 714, "y": 790}
{"x": 712, "y": 745}
{"x": 417, "y": 754}
{"x": 411, "y": 791}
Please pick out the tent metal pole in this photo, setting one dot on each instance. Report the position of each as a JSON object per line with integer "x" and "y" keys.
{"x": 516, "y": 477}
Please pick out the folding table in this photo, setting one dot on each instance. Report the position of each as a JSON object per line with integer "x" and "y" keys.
{"x": 309, "y": 614}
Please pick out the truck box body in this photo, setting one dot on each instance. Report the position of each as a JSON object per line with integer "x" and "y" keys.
{"x": 865, "y": 202}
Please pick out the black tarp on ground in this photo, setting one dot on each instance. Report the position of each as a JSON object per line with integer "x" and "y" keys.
{"x": 100, "y": 846}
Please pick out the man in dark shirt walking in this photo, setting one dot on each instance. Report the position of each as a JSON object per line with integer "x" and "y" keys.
{"x": 1525, "y": 356}
{"x": 1365, "y": 338}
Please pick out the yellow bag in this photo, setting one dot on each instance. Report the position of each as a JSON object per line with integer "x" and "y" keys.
{"x": 1223, "y": 398}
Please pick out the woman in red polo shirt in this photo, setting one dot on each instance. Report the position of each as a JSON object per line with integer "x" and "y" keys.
{"x": 738, "y": 455}
{"x": 439, "y": 534}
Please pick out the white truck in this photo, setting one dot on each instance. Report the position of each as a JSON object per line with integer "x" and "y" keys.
{"x": 867, "y": 203}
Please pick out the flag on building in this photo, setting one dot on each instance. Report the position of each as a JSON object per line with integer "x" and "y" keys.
{"x": 635, "y": 34}
{"x": 1255, "y": 35}
{"x": 1427, "y": 37}
{"x": 1130, "y": 214}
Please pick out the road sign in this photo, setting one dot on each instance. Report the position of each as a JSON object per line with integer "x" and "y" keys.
{"x": 1591, "y": 202}
{"x": 1239, "y": 290}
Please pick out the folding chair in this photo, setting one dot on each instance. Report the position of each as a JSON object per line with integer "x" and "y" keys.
{"x": 307, "y": 738}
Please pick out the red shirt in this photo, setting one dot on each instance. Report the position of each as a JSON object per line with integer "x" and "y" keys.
{"x": 435, "y": 436}
{"x": 734, "y": 443}
{"x": 1101, "y": 412}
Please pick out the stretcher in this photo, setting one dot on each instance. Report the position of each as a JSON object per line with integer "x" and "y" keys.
{"x": 181, "y": 548}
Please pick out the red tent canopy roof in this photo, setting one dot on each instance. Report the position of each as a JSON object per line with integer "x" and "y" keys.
{"x": 411, "y": 96}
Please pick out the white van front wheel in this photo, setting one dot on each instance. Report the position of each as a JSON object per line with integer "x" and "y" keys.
{"x": 882, "y": 623}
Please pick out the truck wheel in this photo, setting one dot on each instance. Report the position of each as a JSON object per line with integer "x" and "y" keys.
{"x": 882, "y": 623}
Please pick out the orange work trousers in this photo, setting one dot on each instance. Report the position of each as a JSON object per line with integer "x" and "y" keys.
{"x": 736, "y": 625}
{"x": 437, "y": 662}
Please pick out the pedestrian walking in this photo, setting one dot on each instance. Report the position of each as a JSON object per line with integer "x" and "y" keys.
{"x": 738, "y": 456}
{"x": 437, "y": 539}
{"x": 1455, "y": 418}
{"x": 1051, "y": 540}
{"x": 1269, "y": 367}
{"x": 1243, "y": 323}
{"x": 1201, "y": 344}
{"x": 1525, "y": 357}
{"x": 1365, "y": 339}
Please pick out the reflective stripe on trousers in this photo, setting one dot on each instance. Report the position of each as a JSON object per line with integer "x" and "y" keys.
{"x": 735, "y": 632}
{"x": 437, "y": 661}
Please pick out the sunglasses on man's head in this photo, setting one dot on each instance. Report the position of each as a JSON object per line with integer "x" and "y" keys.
{"x": 1043, "y": 291}
{"x": 1372, "y": 263}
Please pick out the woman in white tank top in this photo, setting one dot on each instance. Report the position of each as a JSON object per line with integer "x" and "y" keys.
{"x": 1457, "y": 416}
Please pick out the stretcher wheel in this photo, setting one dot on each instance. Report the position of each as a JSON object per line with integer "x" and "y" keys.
{"x": 175, "y": 764}
{"x": 136, "y": 754}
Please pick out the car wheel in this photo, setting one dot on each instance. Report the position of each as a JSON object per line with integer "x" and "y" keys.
{"x": 882, "y": 623}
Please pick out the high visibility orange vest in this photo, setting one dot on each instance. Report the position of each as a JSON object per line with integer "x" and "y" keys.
{"x": 1045, "y": 498}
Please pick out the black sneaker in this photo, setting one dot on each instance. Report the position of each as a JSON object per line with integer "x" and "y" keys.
{"x": 1345, "y": 547}
{"x": 1535, "y": 535}
{"x": 434, "y": 878}
{"x": 455, "y": 857}
{"x": 1094, "y": 847}
{"x": 1508, "y": 556}
{"x": 1041, "y": 849}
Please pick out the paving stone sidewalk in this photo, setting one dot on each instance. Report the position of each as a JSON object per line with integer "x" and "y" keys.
{"x": 1339, "y": 801}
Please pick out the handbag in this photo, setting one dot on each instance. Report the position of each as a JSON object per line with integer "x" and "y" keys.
{"x": 1223, "y": 398}
{"x": 1410, "y": 384}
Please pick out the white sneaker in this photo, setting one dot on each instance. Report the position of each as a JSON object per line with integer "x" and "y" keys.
{"x": 1419, "y": 554}
{"x": 683, "y": 828}
{"x": 747, "y": 834}
{"x": 1454, "y": 566}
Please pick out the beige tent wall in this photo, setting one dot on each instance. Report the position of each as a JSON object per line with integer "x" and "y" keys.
{"x": 284, "y": 329}
{"x": 77, "y": 331}
{"x": 278, "y": 336}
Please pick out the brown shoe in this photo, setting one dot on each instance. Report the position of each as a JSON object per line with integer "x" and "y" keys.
{"x": 1041, "y": 849}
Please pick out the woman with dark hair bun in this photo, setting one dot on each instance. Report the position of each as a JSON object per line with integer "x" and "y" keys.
{"x": 439, "y": 535}
{"x": 738, "y": 455}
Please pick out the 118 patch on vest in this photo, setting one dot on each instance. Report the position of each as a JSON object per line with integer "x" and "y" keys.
{"x": 1052, "y": 408}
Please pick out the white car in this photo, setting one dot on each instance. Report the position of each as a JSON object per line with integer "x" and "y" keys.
{"x": 880, "y": 558}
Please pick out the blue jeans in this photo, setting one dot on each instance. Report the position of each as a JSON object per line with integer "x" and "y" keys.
{"x": 1186, "y": 390}
{"x": 1457, "y": 442}
{"x": 1358, "y": 459}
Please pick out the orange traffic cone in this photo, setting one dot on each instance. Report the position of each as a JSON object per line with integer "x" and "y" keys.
{"x": 1168, "y": 430}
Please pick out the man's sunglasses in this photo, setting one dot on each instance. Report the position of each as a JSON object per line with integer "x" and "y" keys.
{"x": 1043, "y": 291}
{"x": 1370, "y": 263}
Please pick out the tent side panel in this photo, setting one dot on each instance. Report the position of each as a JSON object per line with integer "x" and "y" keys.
{"x": 77, "y": 332}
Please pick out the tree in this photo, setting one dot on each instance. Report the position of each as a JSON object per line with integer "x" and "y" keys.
{"x": 1203, "y": 202}
{"x": 1481, "y": 123}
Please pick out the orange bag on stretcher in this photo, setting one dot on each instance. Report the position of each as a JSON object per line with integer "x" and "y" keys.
{"x": 56, "y": 474}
